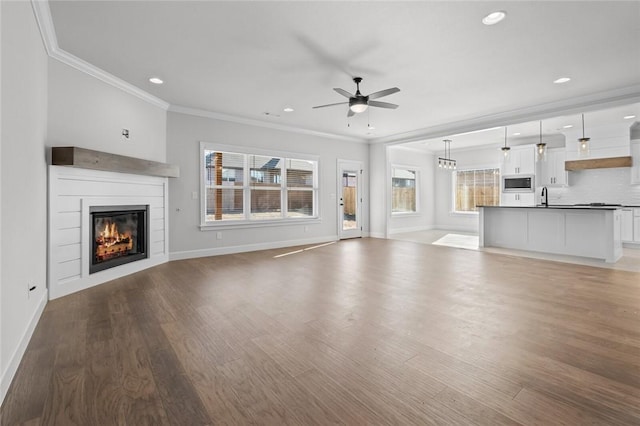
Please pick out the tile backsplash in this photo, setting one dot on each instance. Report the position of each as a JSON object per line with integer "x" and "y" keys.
{"x": 597, "y": 185}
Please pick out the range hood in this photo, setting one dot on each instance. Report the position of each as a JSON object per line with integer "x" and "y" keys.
{"x": 598, "y": 163}
{"x": 609, "y": 147}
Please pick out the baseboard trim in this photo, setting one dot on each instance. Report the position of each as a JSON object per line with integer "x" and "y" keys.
{"x": 14, "y": 363}
{"x": 218, "y": 251}
{"x": 471, "y": 229}
{"x": 412, "y": 229}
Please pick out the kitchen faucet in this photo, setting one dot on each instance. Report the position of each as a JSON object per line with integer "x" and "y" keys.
{"x": 545, "y": 194}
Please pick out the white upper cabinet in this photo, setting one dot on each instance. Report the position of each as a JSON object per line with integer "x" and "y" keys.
{"x": 551, "y": 172}
{"x": 635, "y": 169}
{"x": 521, "y": 161}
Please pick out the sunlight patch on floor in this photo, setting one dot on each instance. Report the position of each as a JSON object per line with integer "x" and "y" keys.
{"x": 469, "y": 242}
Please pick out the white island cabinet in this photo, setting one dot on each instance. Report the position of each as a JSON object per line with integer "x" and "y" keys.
{"x": 568, "y": 230}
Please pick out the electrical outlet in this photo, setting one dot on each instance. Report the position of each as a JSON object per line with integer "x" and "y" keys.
{"x": 194, "y": 195}
{"x": 218, "y": 235}
{"x": 306, "y": 229}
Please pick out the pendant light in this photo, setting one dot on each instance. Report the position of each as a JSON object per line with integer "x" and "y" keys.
{"x": 446, "y": 162}
{"x": 583, "y": 143}
{"x": 541, "y": 147}
{"x": 505, "y": 149}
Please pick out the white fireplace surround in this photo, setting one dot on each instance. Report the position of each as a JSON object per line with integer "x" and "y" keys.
{"x": 72, "y": 192}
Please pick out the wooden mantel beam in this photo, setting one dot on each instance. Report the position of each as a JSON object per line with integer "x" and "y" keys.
{"x": 97, "y": 160}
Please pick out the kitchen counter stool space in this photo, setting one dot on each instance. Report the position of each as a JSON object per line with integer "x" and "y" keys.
{"x": 584, "y": 231}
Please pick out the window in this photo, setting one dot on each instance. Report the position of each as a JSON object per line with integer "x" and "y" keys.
{"x": 472, "y": 188}
{"x": 403, "y": 190}
{"x": 257, "y": 187}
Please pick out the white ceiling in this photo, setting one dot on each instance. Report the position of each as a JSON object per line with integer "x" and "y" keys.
{"x": 246, "y": 58}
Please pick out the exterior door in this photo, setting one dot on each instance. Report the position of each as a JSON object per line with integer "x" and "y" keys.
{"x": 349, "y": 199}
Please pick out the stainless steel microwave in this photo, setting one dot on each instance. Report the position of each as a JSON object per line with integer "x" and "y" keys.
{"x": 518, "y": 183}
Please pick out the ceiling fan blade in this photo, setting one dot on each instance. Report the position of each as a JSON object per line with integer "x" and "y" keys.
{"x": 382, "y": 104}
{"x": 328, "y": 105}
{"x": 350, "y": 113}
{"x": 382, "y": 93}
{"x": 343, "y": 92}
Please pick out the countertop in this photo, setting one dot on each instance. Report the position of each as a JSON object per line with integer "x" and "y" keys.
{"x": 559, "y": 206}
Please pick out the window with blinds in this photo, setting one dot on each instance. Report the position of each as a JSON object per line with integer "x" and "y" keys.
{"x": 472, "y": 188}
{"x": 256, "y": 187}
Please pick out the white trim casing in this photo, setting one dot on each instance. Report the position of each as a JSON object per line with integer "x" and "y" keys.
{"x": 48, "y": 32}
{"x": 258, "y": 123}
{"x": 246, "y": 222}
{"x": 190, "y": 254}
{"x": 418, "y": 171}
{"x": 16, "y": 357}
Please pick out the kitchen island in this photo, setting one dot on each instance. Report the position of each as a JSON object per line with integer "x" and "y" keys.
{"x": 593, "y": 232}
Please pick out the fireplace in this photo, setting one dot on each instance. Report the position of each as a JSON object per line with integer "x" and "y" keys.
{"x": 119, "y": 235}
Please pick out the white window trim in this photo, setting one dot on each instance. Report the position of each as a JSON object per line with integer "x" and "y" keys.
{"x": 452, "y": 211}
{"x": 418, "y": 172}
{"x": 256, "y": 223}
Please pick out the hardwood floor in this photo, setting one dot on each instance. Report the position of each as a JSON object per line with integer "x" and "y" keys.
{"x": 365, "y": 331}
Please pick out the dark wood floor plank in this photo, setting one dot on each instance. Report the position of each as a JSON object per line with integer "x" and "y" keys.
{"x": 179, "y": 398}
{"x": 364, "y": 331}
{"x": 214, "y": 391}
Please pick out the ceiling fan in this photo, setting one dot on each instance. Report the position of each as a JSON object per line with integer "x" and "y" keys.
{"x": 359, "y": 103}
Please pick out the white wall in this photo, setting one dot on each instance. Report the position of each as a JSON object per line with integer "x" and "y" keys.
{"x": 424, "y": 163}
{"x": 378, "y": 192}
{"x": 24, "y": 182}
{"x": 89, "y": 113}
{"x": 2, "y": 392}
{"x": 184, "y": 133}
{"x": 466, "y": 159}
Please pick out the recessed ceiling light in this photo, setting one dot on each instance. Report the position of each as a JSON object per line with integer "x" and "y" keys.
{"x": 568, "y": 126}
{"x": 494, "y": 17}
{"x": 516, "y": 134}
{"x": 629, "y": 117}
{"x": 370, "y": 127}
{"x": 288, "y": 109}
{"x": 562, "y": 80}
{"x": 156, "y": 80}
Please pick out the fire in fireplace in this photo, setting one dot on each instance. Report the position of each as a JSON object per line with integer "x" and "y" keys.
{"x": 118, "y": 236}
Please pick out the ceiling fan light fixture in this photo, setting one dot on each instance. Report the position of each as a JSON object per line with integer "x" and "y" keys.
{"x": 358, "y": 106}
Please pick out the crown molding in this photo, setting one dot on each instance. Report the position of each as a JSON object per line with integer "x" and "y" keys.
{"x": 592, "y": 102}
{"x": 48, "y": 33}
{"x": 258, "y": 123}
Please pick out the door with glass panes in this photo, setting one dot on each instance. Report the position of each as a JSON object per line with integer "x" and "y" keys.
{"x": 349, "y": 199}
